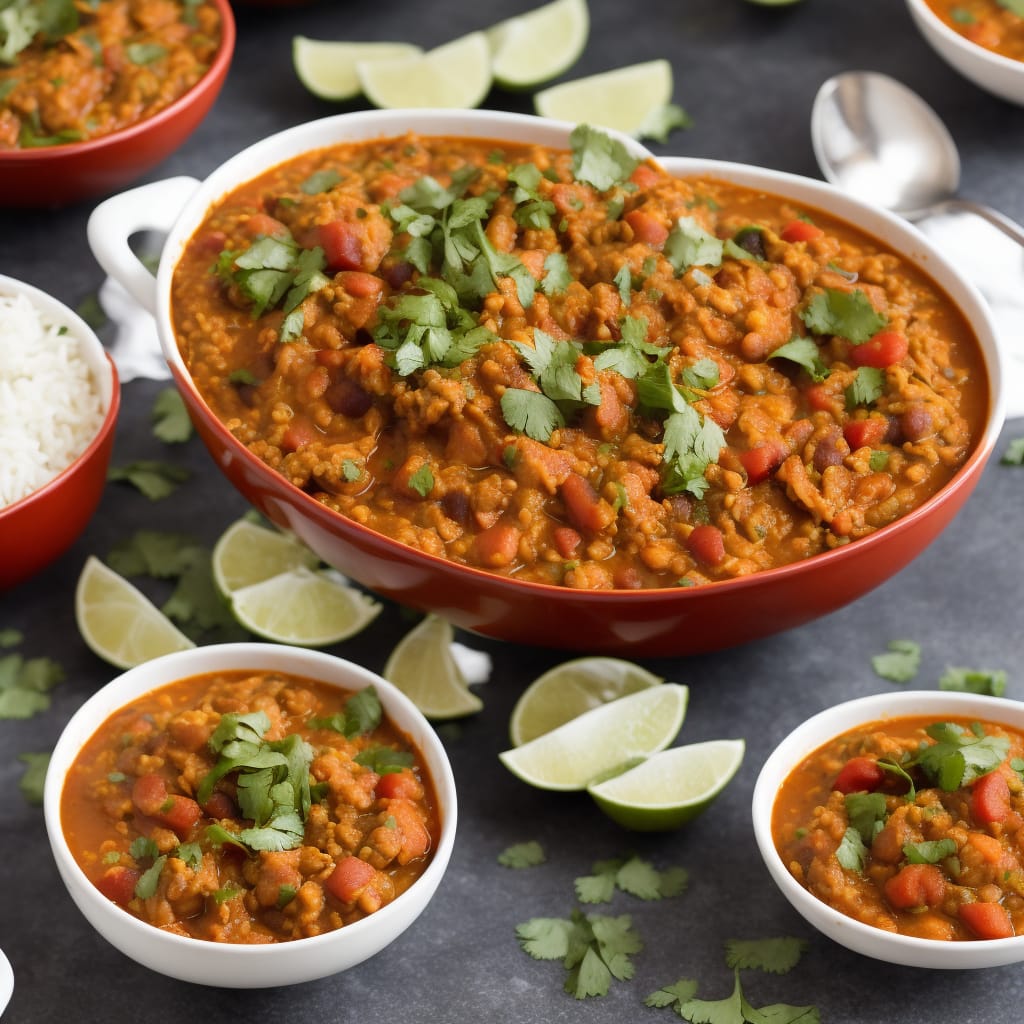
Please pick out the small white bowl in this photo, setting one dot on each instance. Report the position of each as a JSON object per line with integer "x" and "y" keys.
{"x": 993, "y": 72}
{"x": 863, "y": 938}
{"x": 6, "y": 982}
{"x": 230, "y": 965}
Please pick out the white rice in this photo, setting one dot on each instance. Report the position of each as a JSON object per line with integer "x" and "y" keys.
{"x": 50, "y": 406}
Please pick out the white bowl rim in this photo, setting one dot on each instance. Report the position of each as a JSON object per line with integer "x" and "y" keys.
{"x": 255, "y": 656}
{"x": 971, "y": 50}
{"x": 820, "y": 729}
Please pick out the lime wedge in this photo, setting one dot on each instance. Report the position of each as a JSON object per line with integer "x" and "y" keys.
{"x": 671, "y": 787}
{"x": 327, "y": 68}
{"x": 629, "y": 99}
{"x": 568, "y": 690}
{"x": 118, "y": 622}
{"x": 455, "y": 75}
{"x": 601, "y": 740}
{"x": 247, "y": 553}
{"x": 303, "y": 607}
{"x": 423, "y": 668}
{"x": 538, "y": 45}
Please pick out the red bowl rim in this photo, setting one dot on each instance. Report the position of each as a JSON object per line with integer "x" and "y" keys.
{"x": 217, "y": 69}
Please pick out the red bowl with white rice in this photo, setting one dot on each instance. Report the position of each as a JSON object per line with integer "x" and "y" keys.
{"x": 59, "y": 399}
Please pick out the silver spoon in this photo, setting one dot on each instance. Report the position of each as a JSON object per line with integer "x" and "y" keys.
{"x": 879, "y": 141}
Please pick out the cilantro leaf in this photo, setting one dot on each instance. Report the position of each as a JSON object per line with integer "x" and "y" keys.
{"x": 852, "y": 852}
{"x": 777, "y": 956}
{"x": 692, "y": 443}
{"x": 866, "y": 813}
{"x": 804, "y": 352}
{"x": 191, "y": 854}
{"x": 848, "y": 315}
{"x": 556, "y": 274}
{"x": 716, "y": 1011}
{"x": 598, "y": 159}
{"x": 900, "y": 663}
{"x": 25, "y": 685}
{"x": 679, "y": 992}
{"x": 867, "y": 387}
{"x": 545, "y": 938}
{"x": 662, "y": 120}
{"x": 959, "y": 756}
{"x": 1014, "y": 454}
{"x": 156, "y": 480}
{"x": 145, "y": 887}
{"x": 171, "y": 423}
{"x": 531, "y": 413}
{"x": 522, "y": 855}
{"x": 34, "y": 777}
{"x": 639, "y": 878}
{"x": 384, "y": 760}
{"x": 929, "y": 852}
{"x": 689, "y": 245}
{"x": 974, "y": 680}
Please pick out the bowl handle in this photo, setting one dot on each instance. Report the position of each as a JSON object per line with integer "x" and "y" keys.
{"x": 153, "y": 207}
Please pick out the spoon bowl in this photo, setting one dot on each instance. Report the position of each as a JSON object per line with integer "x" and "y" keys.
{"x": 879, "y": 141}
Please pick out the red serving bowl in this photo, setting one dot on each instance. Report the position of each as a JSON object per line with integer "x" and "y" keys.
{"x": 639, "y": 622}
{"x": 58, "y": 175}
{"x": 41, "y": 526}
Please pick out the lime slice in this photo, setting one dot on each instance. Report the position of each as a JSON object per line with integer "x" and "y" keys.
{"x": 118, "y": 622}
{"x": 601, "y": 740}
{"x": 303, "y": 607}
{"x": 671, "y": 787}
{"x": 327, "y": 68}
{"x": 627, "y": 99}
{"x": 455, "y": 75}
{"x": 538, "y": 45}
{"x": 423, "y": 668}
{"x": 567, "y": 690}
{"x": 247, "y": 553}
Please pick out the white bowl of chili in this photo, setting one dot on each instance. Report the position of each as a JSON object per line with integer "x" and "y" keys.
{"x": 315, "y": 833}
{"x": 895, "y": 867}
{"x": 984, "y": 44}
{"x": 461, "y": 502}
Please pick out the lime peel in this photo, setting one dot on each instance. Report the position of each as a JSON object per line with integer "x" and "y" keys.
{"x": 247, "y": 553}
{"x": 539, "y": 45}
{"x": 671, "y": 787}
{"x": 327, "y": 67}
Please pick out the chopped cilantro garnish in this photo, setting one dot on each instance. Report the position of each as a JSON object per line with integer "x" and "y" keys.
{"x": 974, "y": 680}
{"x": 422, "y": 481}
{"x": 804, "y": 352}
{"x": 635, "y": 876}
{"x": 384, "y": 760}
{"x": 191, "y": 854}
{"x": 852, "y": 852}
{"x": 867, "y": 387}
{"x": 899, "y": 664}
{"x": 689, "y": 245}
{"x": 285, "y": 894}
{"x": 662, "y": 120}
{"x": 320, "y": 181}
{"x": 145, "y": 53}
{"x": 522, "y": 855}
{"x": 1014, "y": 454}
{"x": 146, "y": 885}
{"x": 171, "y": 423}
{"x": 849, "y": 315}
{"x": 776, "y": 956}
{"x": 22, "y": 20}
{"x": 593, "y": 948}
{"x": 959, "y": 756}
{"x": 156, "y": 480}
{"x": 866, "y": 813}
{"x": 34, "y": 777}
{"x": 531, "y": 413}
{"x": 556, "y": 274}
{"x": 598, "y": 159}
{"x": 930, "y": 852}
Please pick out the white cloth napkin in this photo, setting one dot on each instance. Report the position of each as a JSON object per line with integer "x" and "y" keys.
{"x": 993, "y": 262}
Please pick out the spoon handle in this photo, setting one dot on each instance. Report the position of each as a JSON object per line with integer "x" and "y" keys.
{"x": 994, "y": 217}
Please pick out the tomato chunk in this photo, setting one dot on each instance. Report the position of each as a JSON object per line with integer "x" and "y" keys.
{"x": 916, "y": 885}
{"x": 990, "y": 798}
{"x": 800, "y": 231}
{"x": 172, "y": 810}
{"x": 858, "y": 775}
{"x": 706, "y": 544}
{"x": 566, "y": 539}
{"x": 886, "y": 348}
{"x": 761, "y": 462}
{"x": 497, "y": 546}
{"x": 349, "y": 878}
{"x": 647, "y": 228}
{"x": 583, "y": 505}
{"x": 342, "y": 245}
{"x": 118, "y": 883}
{"x": 866, "y": 433}
{"x": 399, "y": 785}
{"x": 986, "y": 920}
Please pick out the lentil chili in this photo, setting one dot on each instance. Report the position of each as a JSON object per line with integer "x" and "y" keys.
{"x": 886, "y": 825}
{"x": 570, "y": 366}
{"x": 169, "y": 808}
{"x": 72, "y": 71}
{"x": 995, "y": 26}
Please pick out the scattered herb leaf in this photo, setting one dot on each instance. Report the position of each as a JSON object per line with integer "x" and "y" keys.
{"x": 522, "y": 855}
{"x": 900, "y": 662}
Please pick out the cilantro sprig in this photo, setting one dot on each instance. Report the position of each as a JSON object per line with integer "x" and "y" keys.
{"x": 847, "y": 314}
